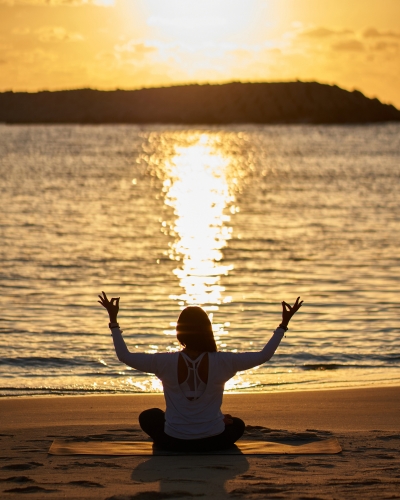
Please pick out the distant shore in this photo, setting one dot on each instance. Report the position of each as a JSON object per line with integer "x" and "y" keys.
{"x": 231, "y": 103}
{"x": 365, "y": 421}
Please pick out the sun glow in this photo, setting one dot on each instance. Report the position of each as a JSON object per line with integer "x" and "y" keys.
{"x": 193, "y": 22}
{"x": 197, "y": 188}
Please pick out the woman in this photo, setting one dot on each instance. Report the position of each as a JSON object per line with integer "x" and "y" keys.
{"x": 193, "y": 380}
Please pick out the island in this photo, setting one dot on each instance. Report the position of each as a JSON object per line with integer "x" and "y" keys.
{"x": 230, "y": 103}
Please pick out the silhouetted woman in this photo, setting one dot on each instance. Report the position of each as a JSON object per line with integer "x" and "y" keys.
{"x": 193, "y": 380}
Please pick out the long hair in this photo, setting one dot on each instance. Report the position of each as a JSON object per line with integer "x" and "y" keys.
{"x": 194, "y": 330}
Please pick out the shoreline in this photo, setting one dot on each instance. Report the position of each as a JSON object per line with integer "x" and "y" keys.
{"x": 75, "y": 394}
{"x": 344, "y": 409}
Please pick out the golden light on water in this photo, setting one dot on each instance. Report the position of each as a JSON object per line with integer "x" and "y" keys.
{"x": 198, "y": 190}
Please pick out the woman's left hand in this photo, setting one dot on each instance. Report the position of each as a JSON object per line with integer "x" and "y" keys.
{"x": 112, "y": 306}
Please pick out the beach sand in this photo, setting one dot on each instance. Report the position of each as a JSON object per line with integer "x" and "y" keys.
{"x": 365, "y": 421}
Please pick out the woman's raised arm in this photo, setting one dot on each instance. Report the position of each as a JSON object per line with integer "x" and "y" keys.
{"x": 246, "y": 360}
{"x": 140, "y": 361}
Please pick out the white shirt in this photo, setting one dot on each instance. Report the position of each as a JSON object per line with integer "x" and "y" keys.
{"x": 202, "y": 417}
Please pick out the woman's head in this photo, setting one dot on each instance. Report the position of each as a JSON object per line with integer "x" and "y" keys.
{"x": 194, "y": 330}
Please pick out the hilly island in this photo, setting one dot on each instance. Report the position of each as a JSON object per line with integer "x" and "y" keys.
{"x": 259, "y": 103}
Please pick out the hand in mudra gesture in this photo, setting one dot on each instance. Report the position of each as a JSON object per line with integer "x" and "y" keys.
{"x": 112, "y": 306}
{"x": 288, "y": 311}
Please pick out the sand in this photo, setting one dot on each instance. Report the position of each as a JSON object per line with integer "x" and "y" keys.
{"x": 365, "y": 421}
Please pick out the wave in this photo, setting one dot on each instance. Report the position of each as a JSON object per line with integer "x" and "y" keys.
{"x": 302, "y": 361}
{"x": 337, "y": 366}
{"x": 60, "y": 391}
{"x": 48, "y": 362}
{"x": 338, "y": 361}
{"x": 324, "y": 366}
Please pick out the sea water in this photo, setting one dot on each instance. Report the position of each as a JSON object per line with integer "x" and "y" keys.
{"x": 235, "y": 219}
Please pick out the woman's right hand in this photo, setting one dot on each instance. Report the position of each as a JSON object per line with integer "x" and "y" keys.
{"x": 288, "y": 311}
{"x": 112, "y": 306}
{"x": 228, "y": 419}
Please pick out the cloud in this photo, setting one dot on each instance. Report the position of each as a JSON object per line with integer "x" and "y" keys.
{"x": 102, "y": 3}
{"x": 247, "y": 53}
{"x": 186, "y": 22}
{"x": 383, "y": 46}
{"x": 241, "y": 54}
{"x": 349, "y": 46}
{"x": 374, "y": 33}
{"x": 134, "y": 49}
{"x": 323, "y": 33}
{"x": 22, "y": 58}
{"x": 370, "y": 40}
{"x": 57, "y": 34}
{"x": 21, "y": 31}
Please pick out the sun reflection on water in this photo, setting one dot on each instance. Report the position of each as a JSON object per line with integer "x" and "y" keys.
{"x": 198, "y": 190}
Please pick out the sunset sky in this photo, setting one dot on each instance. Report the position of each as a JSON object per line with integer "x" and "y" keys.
{"x": 109, "y": 44}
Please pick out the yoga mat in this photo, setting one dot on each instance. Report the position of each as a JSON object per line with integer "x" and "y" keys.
{"x": 60, "y": 447}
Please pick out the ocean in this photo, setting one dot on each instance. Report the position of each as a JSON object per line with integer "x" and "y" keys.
{"x": 235, "y": 219}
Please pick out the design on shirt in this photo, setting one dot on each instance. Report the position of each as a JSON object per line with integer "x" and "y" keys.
{"x": 193, "y": 387}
